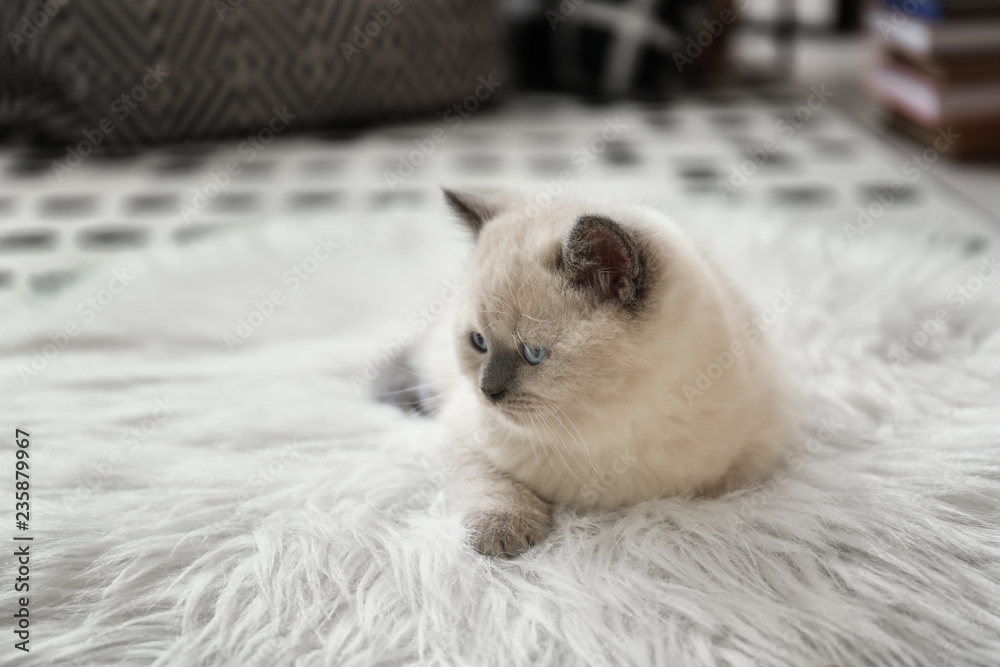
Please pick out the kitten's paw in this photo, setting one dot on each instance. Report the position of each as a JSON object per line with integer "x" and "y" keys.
{"x": 506, "y": 534}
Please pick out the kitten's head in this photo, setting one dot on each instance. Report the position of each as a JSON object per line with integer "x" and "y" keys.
{"x": 558, "y": 306}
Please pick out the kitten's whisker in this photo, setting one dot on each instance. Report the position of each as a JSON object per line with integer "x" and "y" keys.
{"x": 548, "y": 449}
{"x": 492, "y": 322}
{"x": 403, "y": 391}
{"x": 510, "y": 288}
{"x": 517, "y": 336}
{"x": 553, "y": 445}
{"x": 577, "y": 438}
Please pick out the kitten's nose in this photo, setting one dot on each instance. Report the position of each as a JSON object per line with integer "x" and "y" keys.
{"x": 499, "y": 373}
{"x": 492, "y": 393}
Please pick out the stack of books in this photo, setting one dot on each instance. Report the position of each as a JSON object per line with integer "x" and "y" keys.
{"x": 938, "y": 73}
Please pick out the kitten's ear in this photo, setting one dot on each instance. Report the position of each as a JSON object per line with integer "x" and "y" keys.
{"x": 599, "y": 255}
{"x": 473, "y": 210}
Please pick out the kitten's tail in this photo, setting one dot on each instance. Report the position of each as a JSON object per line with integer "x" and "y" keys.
{"x": 401, "y": 385}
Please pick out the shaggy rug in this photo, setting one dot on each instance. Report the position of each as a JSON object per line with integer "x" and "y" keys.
{"x": 212, "y": 484}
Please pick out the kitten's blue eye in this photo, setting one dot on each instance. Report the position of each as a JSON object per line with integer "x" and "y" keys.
{"x": 532, "y": 354}
{"x": 478, "y": 341}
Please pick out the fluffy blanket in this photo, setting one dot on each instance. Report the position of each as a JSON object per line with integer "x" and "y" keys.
{"x": 212, "y": 483}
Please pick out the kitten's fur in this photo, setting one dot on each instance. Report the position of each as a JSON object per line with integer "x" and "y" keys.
{"x": 630, "y": 312}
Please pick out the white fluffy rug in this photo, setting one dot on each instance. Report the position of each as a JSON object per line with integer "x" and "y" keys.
{"x": 194, "y": 505}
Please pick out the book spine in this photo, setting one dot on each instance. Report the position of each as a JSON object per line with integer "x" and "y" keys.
{"x": 930, "y": 10}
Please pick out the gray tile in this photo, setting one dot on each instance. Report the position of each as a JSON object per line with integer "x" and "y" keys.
{"x": 903, "y": 194}
{"x": 396, "y": 198}
{"x": 621, "y": 155}
{"x": 235, "y": 202}
{"x": 548, "y": 164}
{"x": 322, "y": 166}
{"x": 112, "y": 237}
{"x": 179, "y": 164}
{"x": 196, "y": 232}
{"x": 803, "y": 195}
{"x": 695, "y": 172}
{"x": 301, "y": 201}
{"x": 152, "y": 204}
{"x": 68, "y": 206}
{"x": 479, "y": 163}
{"x": 48, "y": 282}
{"x": 28, "y": 240}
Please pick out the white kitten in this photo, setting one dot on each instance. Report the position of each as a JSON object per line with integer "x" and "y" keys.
{"x": 565, "y": 372}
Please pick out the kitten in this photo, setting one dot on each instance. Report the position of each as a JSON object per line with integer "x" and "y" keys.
{"x": 566, "y": 371}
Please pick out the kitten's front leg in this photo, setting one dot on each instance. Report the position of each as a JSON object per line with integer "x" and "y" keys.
{"x": 503, "y": 515}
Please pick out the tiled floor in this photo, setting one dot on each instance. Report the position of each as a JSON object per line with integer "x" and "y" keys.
{"x": 839, "y": 61}
{"x": 823, "y": 170}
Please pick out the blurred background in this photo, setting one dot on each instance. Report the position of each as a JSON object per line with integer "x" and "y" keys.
{"x": 127, "y": 125}
{"x": 219, "y": 219}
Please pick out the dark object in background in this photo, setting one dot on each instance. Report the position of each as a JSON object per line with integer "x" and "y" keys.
{"x": 975, "y": 140}
{"x": 128, "y": 72}
{"x": 848, "y": 15}
{"x": 938, "y": 76}
{"x": 617, "y": 48}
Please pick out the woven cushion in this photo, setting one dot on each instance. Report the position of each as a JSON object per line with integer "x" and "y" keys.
{"x": 167, "y": 70}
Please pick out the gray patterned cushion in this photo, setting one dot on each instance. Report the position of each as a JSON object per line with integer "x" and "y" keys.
{"x": 138, "y": 71}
